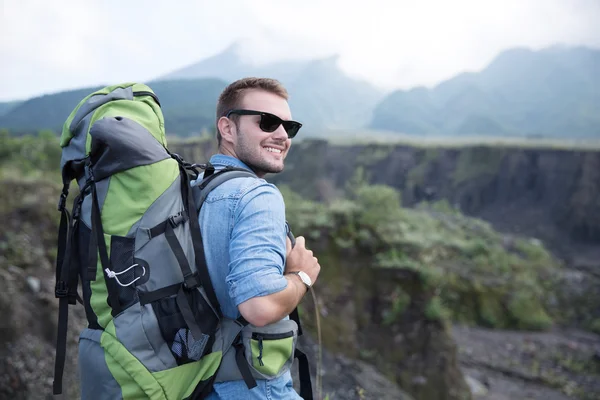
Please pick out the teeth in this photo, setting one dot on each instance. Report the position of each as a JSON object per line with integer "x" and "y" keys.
{"x": 272, "y": 150}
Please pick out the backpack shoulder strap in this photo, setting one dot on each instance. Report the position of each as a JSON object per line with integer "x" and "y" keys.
{"x": 200, "y": 192}
{"x": 202, "y": 189}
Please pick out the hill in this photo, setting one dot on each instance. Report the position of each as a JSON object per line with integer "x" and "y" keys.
{"x": 6, "y": 106}
{"x": 188, "y": 107}
{"x": 322, "y": 95}
{"x": 552, "y": 92}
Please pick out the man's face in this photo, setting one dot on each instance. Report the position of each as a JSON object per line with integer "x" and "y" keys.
{"x": 264, "y": 152}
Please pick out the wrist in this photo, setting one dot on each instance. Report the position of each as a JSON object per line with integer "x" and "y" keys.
{"x": 303, "y": 278}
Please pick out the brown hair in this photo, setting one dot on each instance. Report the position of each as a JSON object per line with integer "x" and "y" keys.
{"x": 232, "y": 95}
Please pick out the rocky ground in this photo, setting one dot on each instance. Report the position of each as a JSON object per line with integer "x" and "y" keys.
{"x": 498, "y": 365}
{"x": 555, "y": 365}
{"x": 344, "y": 378}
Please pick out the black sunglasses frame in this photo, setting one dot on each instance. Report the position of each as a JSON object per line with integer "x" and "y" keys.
{"x": 291, "y": 127}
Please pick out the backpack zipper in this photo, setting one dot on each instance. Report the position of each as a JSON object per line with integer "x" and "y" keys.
{"x": 260, "y": 351}
{"x": 272, "y": 336}
{"x": 146, "y": 93}
{"x": 268, "y": 336}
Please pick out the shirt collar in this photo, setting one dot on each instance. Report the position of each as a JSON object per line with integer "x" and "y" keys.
{"x": 222, "y": 160}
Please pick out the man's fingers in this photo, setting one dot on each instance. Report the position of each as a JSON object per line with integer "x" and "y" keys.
{"x": 300, "y": 241}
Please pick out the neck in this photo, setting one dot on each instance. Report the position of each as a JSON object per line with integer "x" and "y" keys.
{"x": 228, "y": 152}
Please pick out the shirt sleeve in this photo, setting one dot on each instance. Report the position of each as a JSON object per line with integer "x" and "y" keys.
{"x": 257, "y": 247}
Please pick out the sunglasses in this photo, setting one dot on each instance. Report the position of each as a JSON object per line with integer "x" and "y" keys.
{"x": 270, "y": 122}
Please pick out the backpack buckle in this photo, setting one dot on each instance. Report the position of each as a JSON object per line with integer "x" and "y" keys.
{"x": 62, "y": 202}
{"x": 61, "y": 290}
{"x": 177, "y": 219}
{"x": 191, "y": 281}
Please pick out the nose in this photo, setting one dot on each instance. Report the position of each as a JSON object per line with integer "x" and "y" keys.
{"x": 280, "y": 133}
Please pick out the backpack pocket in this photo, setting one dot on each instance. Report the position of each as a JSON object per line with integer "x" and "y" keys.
{"x": 270, "y": 350}
{"x": 187, "y": 324}
{"x": 136, "y": 381}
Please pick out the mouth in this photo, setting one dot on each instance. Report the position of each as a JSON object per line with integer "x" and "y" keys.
{"x": 273, "y": 150}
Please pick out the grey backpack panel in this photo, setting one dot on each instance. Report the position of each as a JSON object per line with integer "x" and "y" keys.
{"x": 131, "y": 145}
{"x": 129, "y": 324}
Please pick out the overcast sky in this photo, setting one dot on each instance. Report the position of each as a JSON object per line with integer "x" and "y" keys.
{"x": 47, "y": 46}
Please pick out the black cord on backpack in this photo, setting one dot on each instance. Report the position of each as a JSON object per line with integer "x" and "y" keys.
{"x": 290, "y": 235}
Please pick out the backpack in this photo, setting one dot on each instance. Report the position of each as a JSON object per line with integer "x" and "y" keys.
{"x": 155, "y": 328}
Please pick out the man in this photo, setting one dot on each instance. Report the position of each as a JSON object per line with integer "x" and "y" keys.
{"x": 251, "y": 263}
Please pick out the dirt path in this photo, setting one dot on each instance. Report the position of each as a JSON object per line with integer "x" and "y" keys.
{"x": 552, "y": 365}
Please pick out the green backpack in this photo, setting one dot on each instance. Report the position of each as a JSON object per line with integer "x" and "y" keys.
{"x": 155, "y": 329}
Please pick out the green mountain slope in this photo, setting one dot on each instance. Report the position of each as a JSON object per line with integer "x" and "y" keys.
{"x": 188, "y": 107}
{"x": 6, "y": 106}
{"x": 551, "y": 92}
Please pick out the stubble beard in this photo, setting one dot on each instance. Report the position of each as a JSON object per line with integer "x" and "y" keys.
{"x": 252, "y": 157}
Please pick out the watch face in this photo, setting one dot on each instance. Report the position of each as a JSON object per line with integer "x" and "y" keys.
{"x": 305, "y": 278}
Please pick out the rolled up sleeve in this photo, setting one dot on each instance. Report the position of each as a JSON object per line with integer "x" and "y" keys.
{"x": 257, "y": 248}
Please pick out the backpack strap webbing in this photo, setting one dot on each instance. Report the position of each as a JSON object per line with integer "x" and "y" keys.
{"x": 304, "y": 373}
{"x": 67, "y": 279}
{"x": 98, "y": 246}
{"x": 214, "y": 179}
{"x": 200, "y": 258}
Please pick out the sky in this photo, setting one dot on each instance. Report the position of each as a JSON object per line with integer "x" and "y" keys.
{"x": 49, "y": 46}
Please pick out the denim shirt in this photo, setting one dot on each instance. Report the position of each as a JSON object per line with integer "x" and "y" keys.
{"x": 244, "y": 234}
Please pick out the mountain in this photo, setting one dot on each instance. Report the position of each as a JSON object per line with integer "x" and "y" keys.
{"x": 550, "y": 92}
{"x": 5, "y": 107}
{"x": 321, "y": 94}
{"x": 188, "y": 107}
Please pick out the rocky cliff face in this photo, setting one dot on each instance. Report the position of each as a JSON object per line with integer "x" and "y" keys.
{"x": 553, "y": 194}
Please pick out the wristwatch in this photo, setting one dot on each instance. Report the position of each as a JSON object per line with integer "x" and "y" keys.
{"x": 304, "y": 278}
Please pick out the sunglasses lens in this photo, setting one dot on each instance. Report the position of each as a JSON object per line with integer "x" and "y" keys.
{"x": 269, "y": 123}
{"x": 292, "y": 128}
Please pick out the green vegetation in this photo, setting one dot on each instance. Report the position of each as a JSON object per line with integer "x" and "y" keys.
{"x": 29, "y": 155}
{"x": 30, "y": 186}
{"x": 479, "y": 276}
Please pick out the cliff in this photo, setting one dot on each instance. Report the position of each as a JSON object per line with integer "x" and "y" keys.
{"x": 549, "y": 193}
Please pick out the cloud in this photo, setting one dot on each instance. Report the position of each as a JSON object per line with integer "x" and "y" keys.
{"x": 48, "y": 46}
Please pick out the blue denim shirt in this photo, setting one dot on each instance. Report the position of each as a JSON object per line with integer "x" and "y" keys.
{"x": 243, "y": 229}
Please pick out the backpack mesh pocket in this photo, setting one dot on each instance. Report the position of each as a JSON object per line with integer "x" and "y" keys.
{"x": 178, "y": 335}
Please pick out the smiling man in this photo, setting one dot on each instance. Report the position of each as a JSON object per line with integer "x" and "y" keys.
{"x": 254, "y": 270}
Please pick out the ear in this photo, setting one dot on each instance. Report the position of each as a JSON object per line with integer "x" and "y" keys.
{"x": 227, "y": 129}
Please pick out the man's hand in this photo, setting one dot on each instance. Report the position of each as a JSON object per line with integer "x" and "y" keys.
{"x": 264, "y": 310}
{"x": 299, "y": 258}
